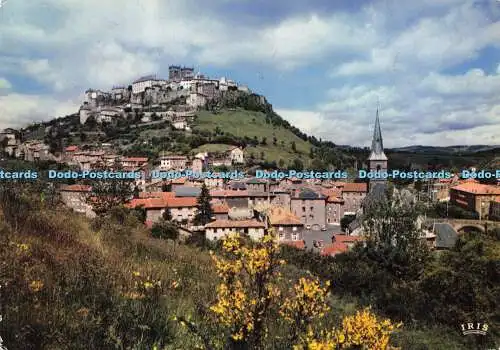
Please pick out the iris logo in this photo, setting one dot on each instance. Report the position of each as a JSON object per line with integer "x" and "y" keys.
{"x": 474, "y": 328}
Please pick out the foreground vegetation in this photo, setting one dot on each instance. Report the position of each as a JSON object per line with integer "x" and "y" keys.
{"x": 70, "y": 283}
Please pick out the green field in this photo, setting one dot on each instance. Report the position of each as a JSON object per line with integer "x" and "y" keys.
{"x": 252, "y": 124}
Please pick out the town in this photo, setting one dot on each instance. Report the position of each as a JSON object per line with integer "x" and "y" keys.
{"x": 321, "y": 215}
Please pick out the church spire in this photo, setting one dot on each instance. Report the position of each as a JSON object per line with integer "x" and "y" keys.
{"x": 377, "y": 151}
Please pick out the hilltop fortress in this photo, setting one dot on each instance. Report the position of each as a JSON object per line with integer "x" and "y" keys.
{"x": 151, "y": 97}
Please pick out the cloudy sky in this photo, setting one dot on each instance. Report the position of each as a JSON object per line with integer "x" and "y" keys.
{"x": 434, "y": 65}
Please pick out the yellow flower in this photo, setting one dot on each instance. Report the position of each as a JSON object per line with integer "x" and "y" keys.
{"x": 148, "y": 285}
{"x": 36, "y": 286}
{"x": 136, "y": 273}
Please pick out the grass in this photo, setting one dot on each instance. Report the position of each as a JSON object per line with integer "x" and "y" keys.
{"x": 252, "y": 124}
{"x": 87, "y": 270}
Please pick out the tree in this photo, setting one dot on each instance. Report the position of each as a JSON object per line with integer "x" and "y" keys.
{"x": 264, "y": 141}
{"x": 167, "y": 215}
{"x": 346, "y": 221}
{"x": 204, "y": 213}
{"x": 297, "y": 164}
{"x": 294, "y": 146}
{"x": 106, "y": 194}
{"x": 165, "y": 230}
{"x": 393, "y": 238}
{"x": 275, "y": 141}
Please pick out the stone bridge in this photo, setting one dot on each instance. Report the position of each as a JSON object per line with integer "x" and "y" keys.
{"x": 460, "y": 225}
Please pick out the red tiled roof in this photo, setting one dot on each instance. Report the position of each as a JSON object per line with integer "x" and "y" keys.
{"x": 181, "y": 202}
{"x": 156, "y": 194}
{"x": 228, "y": 193}
{"x": 296, "y": 244}
{"x": 71, "y": 149}
{"x": 77, "y": 188}
{"x": 355, "y": 187}
{"x": 334, "y": 248}
{"x": 220, "y": 209}
{"x": 236, "y": 224}
{"x": 147, "y": 203}
{"x": 281, "y": 216}
{"x": 476, "y": 188}
{"x": 341, "y": 245}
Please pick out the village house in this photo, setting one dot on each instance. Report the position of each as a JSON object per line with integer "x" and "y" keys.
{"x": 255, "y": 184}
{"x": 196, "y": 100}
{"x": 236, "y": 155}
{"x": 182, "y": 209}
{"x": 334, "y": 210}
{"x": 310, "y": 207}
{"x": 220, "y": 212}
{"x": 196, "y": 165}
{"x": 494, "y": 213}
{"x": 134, "y": 162}
{"x": 257, "y": 197}
{"x": 221, "y": 228}
{"x": 233, "y": 199}
{"x": 109, "y": 114}
{"x": 214, "y": 183}
{"x": 281, "y": 198}
{"x": 353, "y": 194}
{"x": 180, "y": 123}
{"x": 340, "y": 244}
{"x": 173, "y": 162}
{"x": 474, "y": 197}
{"x": 75, "y": 197}
{"x": 287, "y": 226}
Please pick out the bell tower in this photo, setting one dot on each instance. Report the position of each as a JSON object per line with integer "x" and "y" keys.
{"x": 378, "y": 159}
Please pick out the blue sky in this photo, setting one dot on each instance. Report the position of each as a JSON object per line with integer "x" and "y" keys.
{"x": 434, "y": 66}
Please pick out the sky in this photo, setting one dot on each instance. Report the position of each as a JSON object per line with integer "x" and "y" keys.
{"x": 432, "y": 66}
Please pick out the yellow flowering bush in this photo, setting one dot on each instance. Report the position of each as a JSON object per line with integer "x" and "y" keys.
{"x": 144, "y": 286}
{"x": 248, "y": 295}
{"x": 36, "y": 286}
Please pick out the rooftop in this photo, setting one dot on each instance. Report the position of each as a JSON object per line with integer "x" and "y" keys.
{"x": 476, "y": 188}
{"x": 236, "y": 224}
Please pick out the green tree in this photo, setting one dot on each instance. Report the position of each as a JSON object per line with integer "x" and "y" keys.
{"x": 393, "y": 238}
{"x": 165, "y": 230}
{"x": 106, "y": 194}
{"x": 294, "y": 146}
{"x": 167, "y": 215}
{"x": 204, "y": 213}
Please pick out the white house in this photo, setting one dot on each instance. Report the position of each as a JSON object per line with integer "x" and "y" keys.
{"x": 141, "y": 84}
{"x": 237, "y": 155}
{"x": 221, "y": 228}
{"x": 173, "y": 162}
{"x": 196, "y": 100}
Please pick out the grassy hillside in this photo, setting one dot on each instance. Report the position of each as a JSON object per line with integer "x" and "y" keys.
{"x": 251, "y": 124}
{"x": 71, "y": 283}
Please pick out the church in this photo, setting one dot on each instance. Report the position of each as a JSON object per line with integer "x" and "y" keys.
{"x": 377, "y": 162}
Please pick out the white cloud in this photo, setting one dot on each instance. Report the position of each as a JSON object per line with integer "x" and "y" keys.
{"x": 475, "y": 81}
{"x": 5, "y": 84}
{"x": 432, "y": 42}
{"x": 402, "y": 47}
{"x": 17, "y": 110}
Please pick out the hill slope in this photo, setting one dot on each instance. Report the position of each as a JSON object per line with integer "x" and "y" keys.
{"x": 275, "y": 143}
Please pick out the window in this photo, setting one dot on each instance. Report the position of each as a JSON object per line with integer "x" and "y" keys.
{"x": 295, "y": 237}
{"x": 294, "y": 228}
{"x": 280, "y": 228}
{"x": 303, "y": 208}
{"x": 281, "y": 236}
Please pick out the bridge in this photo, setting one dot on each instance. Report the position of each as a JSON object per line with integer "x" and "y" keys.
{"x": 460, "y": 225}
